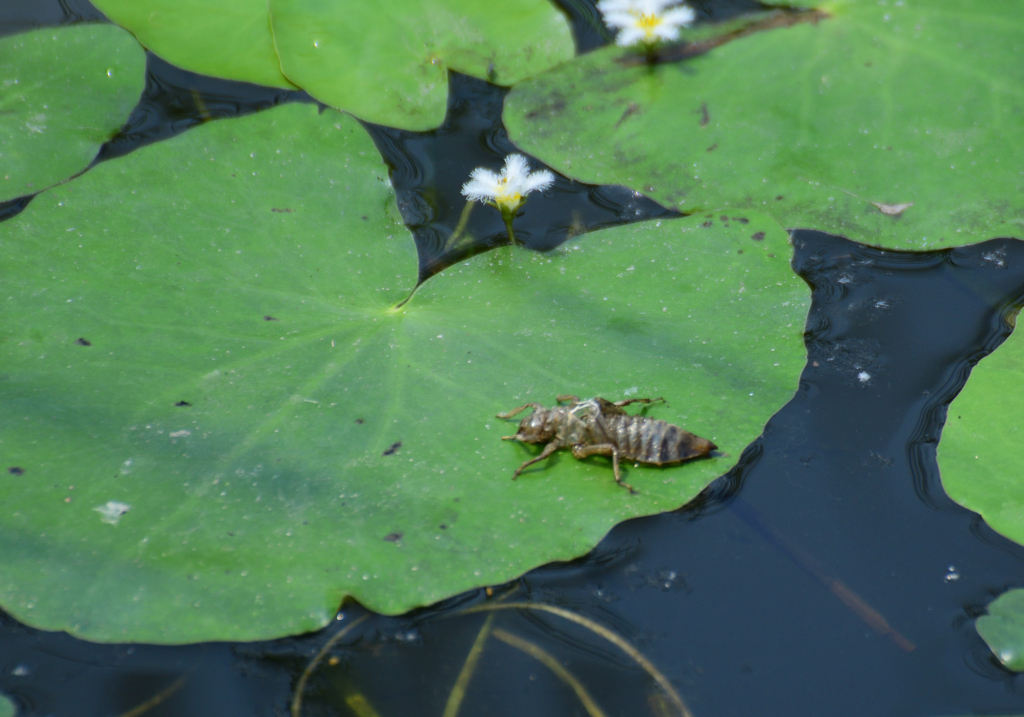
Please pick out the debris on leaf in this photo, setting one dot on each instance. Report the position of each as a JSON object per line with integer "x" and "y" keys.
{"x": 112, "y": 511}
{"x": 893, "y": 210}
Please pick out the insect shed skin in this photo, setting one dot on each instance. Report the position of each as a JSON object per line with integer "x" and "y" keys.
{"x": 597, "y": 426}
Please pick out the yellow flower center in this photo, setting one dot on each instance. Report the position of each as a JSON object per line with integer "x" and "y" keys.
{"x": 648, "y": 23}
{"x": 505, "y": 198}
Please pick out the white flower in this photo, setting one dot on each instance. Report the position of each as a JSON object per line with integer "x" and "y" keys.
{"x": 507, "y": 191}
{"x": 645, "y": 21}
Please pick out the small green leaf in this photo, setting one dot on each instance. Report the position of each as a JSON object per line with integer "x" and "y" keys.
{"x": 980, "y": 453}
{"x": 7, "y": 708}
{"x": 387, "y": 61}
{"x": 222, "y": 38}
{"x": 894, "y": 124}
{"x": 65, "y": 91}
{"x": 217, "y": 424}
{"x": 1003, "y": 629}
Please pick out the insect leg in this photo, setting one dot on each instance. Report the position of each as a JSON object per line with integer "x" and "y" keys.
{"x": 620, "y": 404}
{"x": 567, "y": 397}
{"x": 548, "y": 450}
{"x": 581, "y": 451}
{"x": 514, "y": 411}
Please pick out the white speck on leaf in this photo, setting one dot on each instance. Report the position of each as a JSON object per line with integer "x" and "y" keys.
{"x": 113, "y": 510}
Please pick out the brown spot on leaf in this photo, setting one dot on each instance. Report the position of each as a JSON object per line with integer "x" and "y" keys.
{"x": 779, "y": 18}
{"x": 83, "y": 342}
{"x": 631, "y": 110}
{"x": 555, "y": 106}
{"x": 393, "y": 537}
{"x": 757, "y": 236}
{"x": 179, "y": 404}
{"x": 360, "y": 421}
{"x": 742, "y": 220}
{"x": 779, "y": 198}
{"x": 282, "y": 210}
{"x": 707, "y": 224}
{"x": 713, "y": 147}
{"x": 268, "y": 317}
{"x": 704, "y": 116}
{"x": 443, "y": 526}
{"x": 392, "y": 449}
{"x": 16, "y": 470}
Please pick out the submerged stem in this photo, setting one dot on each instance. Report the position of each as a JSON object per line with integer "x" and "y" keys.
{"x": 468, "y": 668}
{"x": 609, "y": 635}
{"x": 550, "y": 662}
{"x": 296, "y": 708}
{"x": 156, "y": 699}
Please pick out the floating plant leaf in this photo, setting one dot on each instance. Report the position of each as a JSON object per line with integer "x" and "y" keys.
{"x": 387, "y": 61}
{"x": 65, "y": 91}
{"x": 7, "y": 708}
{"x": 1002, "y": 629}
{"x": 222, "y": 38}
{"x": 980, "y": 458}
{"x": 896, "y": 124}
{"x": 216, "y": 425}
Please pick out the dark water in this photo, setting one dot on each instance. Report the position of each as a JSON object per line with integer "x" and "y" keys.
{"x": 828, "y": 574}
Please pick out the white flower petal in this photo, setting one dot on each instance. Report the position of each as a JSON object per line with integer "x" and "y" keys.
{"x": 630, "y": 36}
{"x": 645, "y": 21}
{"x": 516, "y": 168}
{"x": 538, "y": 181}
{"x": 619, "y": 20}
{"x": 609, "y": 6}
{"x": 509, "y": 189}
{"x": 656, "y": 7}
{"x": 664, "y": 31}
{"x": 486, "y": 176}
{"x": 680, "y": 16}
{"x": 483, "y": 185}
{"x": 478, "y": 192}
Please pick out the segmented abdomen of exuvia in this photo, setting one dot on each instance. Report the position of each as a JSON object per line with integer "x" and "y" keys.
{"x": 649, "y": 440}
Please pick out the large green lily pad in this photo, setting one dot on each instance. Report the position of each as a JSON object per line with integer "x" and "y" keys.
{"x": 222, "y": 38}
{"x": 894, "y": 123}
{"x": 980, "y": 459}
{"x": 217, "y": 424}
{"x": 1003, "y": 629}
{"x": 387, "y": 61}
{"x": 63, "y": 93}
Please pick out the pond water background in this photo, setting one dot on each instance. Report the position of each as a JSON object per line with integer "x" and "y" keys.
{"x": 827, "y": 574}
